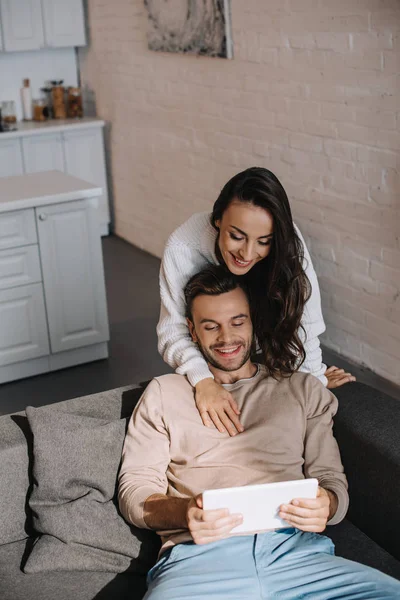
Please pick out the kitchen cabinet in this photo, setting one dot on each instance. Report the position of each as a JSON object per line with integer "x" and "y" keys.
{"x": 10, "y": 157}
{"x": 64, "y": 23}
{"x": 17, "y": 228}
{"x": 36, "y": 24}
{"x": 19, "y": 266}
{"x": 53, "y": 310}
{"x": 73, "y": 275}
{"x": 84, "y": 158}
{"x": 43, "y": 153}
{"x": 23, "y": 328}
{"x": 73, "y": 147}
{"x": 22, "y": 25}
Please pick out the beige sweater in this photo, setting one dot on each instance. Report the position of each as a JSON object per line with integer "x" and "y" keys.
{"x": 288, "y": 435}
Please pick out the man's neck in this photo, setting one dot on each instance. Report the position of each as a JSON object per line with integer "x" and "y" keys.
{"x": 248, "y": 370}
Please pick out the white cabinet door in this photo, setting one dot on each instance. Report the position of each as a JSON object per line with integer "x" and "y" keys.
{"x": 22, "y": 24}
{"x": 43, "y": 153}
{"x": 23, "y": 328}
{"x": 11, "y": 157}
{"x": 84, "y": 158}
{"x": 64, "y": 22}
{"x": 72, "y": 268}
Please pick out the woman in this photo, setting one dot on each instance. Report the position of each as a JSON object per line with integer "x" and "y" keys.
{"x": 251, "y": 231}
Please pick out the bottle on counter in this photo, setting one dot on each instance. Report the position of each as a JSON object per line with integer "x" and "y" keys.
{"x": 26, "y": 101}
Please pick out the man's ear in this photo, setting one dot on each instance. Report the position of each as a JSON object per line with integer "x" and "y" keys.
{"x": 218, "y": 223}
{"x": 192, "y": 330}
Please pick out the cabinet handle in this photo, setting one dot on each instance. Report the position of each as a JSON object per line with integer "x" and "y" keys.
{"x": 42, "y": 217}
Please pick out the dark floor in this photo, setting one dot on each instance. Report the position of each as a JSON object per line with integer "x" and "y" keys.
{"x": 133, "y": 307}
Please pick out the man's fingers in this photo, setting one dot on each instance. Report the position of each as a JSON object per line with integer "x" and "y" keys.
{"x": 306, "y": 513}
{"x": 295, "y": 520}
{"x": 312, "y": 503}
{"x": 205, "y": 516}
{"x": 214, "y": 527}
{"x": 217, "y": 527}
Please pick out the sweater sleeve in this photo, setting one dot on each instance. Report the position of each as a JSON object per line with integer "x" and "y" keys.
{"x": 145, "y": 457}
{"x": 312, "y": 321}
{"x": 321, "y": 452}
{"x": 175, "y": 345}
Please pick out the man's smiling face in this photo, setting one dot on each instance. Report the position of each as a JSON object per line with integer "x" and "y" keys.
{"x": 222, "y": 328}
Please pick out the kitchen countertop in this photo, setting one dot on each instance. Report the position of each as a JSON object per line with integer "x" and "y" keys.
{"x": 38, "y": 189}
{"x": 51, "y": 126}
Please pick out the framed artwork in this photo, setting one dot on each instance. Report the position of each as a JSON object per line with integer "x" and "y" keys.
{"x": 190, "y": 26}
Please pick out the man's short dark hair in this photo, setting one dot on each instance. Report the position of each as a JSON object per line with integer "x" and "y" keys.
{"x": 211, "y": 281}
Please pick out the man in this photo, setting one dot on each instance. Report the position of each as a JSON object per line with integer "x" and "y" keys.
{"x": 170, "y": 458}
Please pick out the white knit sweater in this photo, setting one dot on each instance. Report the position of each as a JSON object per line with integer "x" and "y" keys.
{"x": 189, "y": 250}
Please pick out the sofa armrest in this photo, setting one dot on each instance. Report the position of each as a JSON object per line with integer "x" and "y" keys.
{"x": 367, "y": 431}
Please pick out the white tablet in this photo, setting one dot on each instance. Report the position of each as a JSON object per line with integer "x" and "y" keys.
{"x": 259, "y": 504}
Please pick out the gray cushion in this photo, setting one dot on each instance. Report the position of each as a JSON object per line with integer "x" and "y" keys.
{"x": 75, "y": 468}
{"x": 16, "y": 453}
{"x": 73, "y": 585}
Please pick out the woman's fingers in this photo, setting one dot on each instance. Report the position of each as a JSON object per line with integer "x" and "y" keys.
{"x": 205, "y": 417}
{"x": 233, "y": 404}
{"x": 337, "y": 377}
{"x": 335, "y": 382}
{"x": 217, "y": 421}
{"x": 224, "y": 419}
{"x": 230, "y": 420}
{"x": 217, "y": 407}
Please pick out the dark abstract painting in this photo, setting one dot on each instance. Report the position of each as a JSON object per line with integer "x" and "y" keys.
{"x": 190, "y": 26}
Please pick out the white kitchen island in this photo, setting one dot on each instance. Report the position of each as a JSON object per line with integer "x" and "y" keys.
{"x": 53, "y": 311}
{"x": 74, "y": 146}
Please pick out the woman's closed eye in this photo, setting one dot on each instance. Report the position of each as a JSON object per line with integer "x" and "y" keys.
{"x": 235, "y": 237}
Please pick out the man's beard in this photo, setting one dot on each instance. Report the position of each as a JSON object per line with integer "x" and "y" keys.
{"x": 210, "y": 358}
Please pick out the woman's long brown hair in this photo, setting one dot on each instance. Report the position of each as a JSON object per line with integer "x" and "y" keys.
{"x": 278, "y": 285}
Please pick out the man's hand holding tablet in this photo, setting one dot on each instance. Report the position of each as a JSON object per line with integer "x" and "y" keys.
{"x": 256, "y": 508}
{"x": 310, "y": 515}
{"x": 208, "y": 526}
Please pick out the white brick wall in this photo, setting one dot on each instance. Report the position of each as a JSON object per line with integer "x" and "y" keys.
{"x": 313, "y": 93}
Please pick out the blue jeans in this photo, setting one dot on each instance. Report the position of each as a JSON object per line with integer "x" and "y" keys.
{"x": 287, "y": 564}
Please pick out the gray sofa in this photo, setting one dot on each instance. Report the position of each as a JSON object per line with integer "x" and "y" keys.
{"x": 367, "y": 431}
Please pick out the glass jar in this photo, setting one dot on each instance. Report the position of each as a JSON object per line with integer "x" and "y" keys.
{"x": 74, "y": 103}
{"x": 40, "y": 110}
{"x": 8, "y": 115}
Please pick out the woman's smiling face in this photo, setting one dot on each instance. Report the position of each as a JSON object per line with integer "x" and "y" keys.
{"x": 245, "y": 236}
